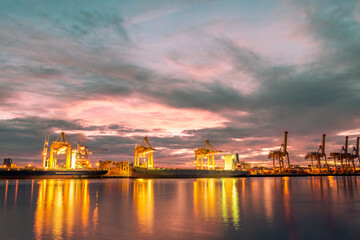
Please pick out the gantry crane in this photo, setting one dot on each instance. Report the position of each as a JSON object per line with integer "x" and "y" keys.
{"x": 280, "y": 155}
{"x": 206, "y": 151}
{"x": 82, "y": 155}
{"x": 46, "y": 146}
{"x": 60, "y": 146}
{"x": 344, "y": 157}
{"x": 318, "y": 156}
{"x": 146, "y": 150}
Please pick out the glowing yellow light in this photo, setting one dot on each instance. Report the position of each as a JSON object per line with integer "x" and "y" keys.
{"x": 229, "y": 162}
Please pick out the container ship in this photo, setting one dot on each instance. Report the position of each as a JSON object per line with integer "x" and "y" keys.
{"x": 49, "y": 174}
{"x": 138, "y": 172}
{"x": 206, "y": 152}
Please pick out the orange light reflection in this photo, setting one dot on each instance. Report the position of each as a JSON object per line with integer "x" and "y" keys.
{"x": 144, "y": 204}
{"x": 58, "y": 205}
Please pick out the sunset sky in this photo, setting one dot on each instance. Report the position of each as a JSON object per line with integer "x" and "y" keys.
{"x": 238, "y": 73}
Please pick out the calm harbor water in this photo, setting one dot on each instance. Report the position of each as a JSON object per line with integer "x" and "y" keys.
{"x": 235, "y": 208}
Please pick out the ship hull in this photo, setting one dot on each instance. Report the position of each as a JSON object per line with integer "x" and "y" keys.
{"x": 185, "y": 173}
{"x": 50, "y": 174}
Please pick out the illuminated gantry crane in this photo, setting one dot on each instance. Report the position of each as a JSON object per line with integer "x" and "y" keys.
{"x": 344, "y": 157}
{"x": 206, "y": 151}
{"x": 280, "y": 155}
{"x": 60, "y": 146}
{"x": 82, "y": 155}
{"x": 146, "y": 150}
{"x": 318, "y": 156}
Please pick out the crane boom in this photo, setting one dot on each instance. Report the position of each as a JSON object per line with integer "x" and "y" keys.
{"x": 99, "y": 150}
{"x": 82, "y": 153}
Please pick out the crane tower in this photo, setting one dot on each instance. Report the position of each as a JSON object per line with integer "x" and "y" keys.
{"x": 146, "y": 150}
{"x": 318, "y": 156}
{"x": 280, "y": 155}
{"x": 206, "y": 151}
{"x": 81, "y": 155}
{"x": 60, "y": 146}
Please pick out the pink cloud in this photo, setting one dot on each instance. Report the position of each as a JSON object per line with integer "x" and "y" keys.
{"x": 138, "y": 113}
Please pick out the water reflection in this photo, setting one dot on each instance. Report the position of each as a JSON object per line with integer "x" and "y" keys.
{"x": 204, "y": 198}
{"x": 288, "y": 208}
{"x": 6, "y": 192}
{"x": 230, "y": 201}
{"x": 16, "y": 191}
{"x": 213, "y": 197}
{"x": 57, "y": 204}
{"x": 144, "y": 204}
{"x": 286, "y": 183}
{"x": 268, "y": 192}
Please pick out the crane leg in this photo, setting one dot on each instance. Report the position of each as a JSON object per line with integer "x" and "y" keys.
{"x": 202, "y": 162}
{"x": 335, "y": 164}
{"x": 213, "y": 161}
{"x": 319, "y": 163}
{"x": 353, "y": 163}
{"x": 326, "y": 164}
{"x": 288, "y": 161}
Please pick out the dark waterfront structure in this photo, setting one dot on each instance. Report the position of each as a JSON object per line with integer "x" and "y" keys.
{"x": 7, "y": 162}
